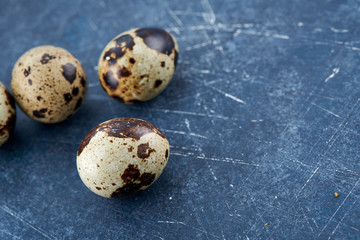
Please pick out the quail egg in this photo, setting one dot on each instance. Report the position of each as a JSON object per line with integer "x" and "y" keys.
{"x": 49, "y": 84}
{"x": 7, "y": 114}
{"x": 137, "y": 65}
{"x": 122, "y": 156}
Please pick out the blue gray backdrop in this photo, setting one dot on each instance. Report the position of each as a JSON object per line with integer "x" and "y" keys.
{"x": 262, "y": 116}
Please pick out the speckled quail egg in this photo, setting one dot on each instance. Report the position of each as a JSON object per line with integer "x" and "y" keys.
{"x": 7, "y": 114}
{"x": 137, "y": 65}
{"x": 122, "y": 156}
{"x": 49, "y": 84}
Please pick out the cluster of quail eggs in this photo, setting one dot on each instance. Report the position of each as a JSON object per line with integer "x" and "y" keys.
{"x": 118, "y": 157}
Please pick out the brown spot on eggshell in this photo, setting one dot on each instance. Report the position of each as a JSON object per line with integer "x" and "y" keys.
{"x": 30, "y": 82}
{"x": 144, "y": 150}
{"x": 123, "y": 72}
{"x": 86, "y": 140}
{"x": 166, "y": 153}
{"x": 78, "y": 104}
{"x": 157, "y": 83}
{"x": 132, "y": 60}
{"x": 110, "y": 80}
{"x": 69, "y": 72}
{"x": 130, "y": 149}
{"x": 27, "y": 72}
{"x": 157, "y": 39}
{"x": 75, "y": 91}
{"x": 46, "y": 58}
{"x": 67, "y": 97}
{"x": 40, "y": 113}
{"x": 128, "y": 128}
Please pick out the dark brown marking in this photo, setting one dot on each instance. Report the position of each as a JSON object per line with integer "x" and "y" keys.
{"x": 144, "y": 150}
{"x": 162, "y": 64}
{"x": 110, "y": 80}
{"x": 131, "y": 174}
{"x": 46, "y": 58}
{"x": 83, "y": 81}
{"x": 67, "y": 97}
{"x": 157, "y": 83}
{"x": 27, "y": 72}
{"x": 157, "y": 39}
{"x": 69, "y": 72}
{"x": 132, "y": 61}
{"x": 125, "y": 41}
{"x": 176, "y": 58}
{"x": 38, "y": 98}
{"x": 129, "y": 128}
{"x": 130, "y": 149}
{"x": 98, "y": 188}
{"x": 123, "y": 72}
{"x": 113, "y": 184}
{"x": 86, "y": 140}
{"x": 78, "y": 104}
{"x": 10, "y": 122}
{"x": 40, "y": 113}
{"x": 75, "y": 91}
{"x": 133, "y": 181}
{"x": 167, "y": 153}
{"x": 147, "y": 178}
{"x": 30, "y": 82}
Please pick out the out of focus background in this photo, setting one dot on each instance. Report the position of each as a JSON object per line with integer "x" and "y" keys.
{"x": 263, "y": 118}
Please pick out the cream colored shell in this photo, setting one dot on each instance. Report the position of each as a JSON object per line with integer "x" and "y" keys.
{"x": 7, "y": 114}
{"x": 49, "y": 84}
{"x": 137, "y": 65}
{"x": 121, "y": 163}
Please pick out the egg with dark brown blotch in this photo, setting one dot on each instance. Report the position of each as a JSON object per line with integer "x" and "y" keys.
{"x": 122, "y": 156}
{"x": 7, "y": 114}
{"x": 49, "y": 84}
{"x": 137, "y": 65}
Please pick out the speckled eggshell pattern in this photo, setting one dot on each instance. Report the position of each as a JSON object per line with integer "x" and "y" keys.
{"x": 137, "y": 65}
{"x": 122, "y": 156}
{"x": 7, "y": 114}
{"x": 49, "y": 84}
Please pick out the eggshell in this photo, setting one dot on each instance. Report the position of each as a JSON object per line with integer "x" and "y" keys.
{"x": 137, "y": 65}
{"x": 49, "y": 84}
{"x": 122, "y": 156}
{"x": 7, "y": 114}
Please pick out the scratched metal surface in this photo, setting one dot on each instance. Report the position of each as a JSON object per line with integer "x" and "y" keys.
{"x": 262, "y": 116}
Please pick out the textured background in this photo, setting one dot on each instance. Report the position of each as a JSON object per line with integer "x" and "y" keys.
{"x": 262, "y": 116}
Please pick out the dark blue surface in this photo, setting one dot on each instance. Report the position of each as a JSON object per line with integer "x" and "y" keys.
{"x": 262, "y": 116}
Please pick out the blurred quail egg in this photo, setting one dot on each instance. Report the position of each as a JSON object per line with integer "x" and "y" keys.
{"x": 7, "y": 114}
{"x": 49, "y": 84}
{"x": 137, "y": 65}
{"x": 122, "y": 156}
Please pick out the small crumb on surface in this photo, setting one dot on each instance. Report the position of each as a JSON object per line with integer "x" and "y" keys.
{"x": 336, "y": 194}
{"x": 266, "y": 224}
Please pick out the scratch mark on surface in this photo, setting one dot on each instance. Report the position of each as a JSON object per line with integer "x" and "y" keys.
{"x": 200, "y": 45}
{"x": 10, "y": 234}
{"x": 228, "y": 160}
{"x": 307, "y": 181}
{"x": 15, "y": 215}
{"x": 307, "y": 221}
{"x": 356, "y": 184}
{"x": 175, "y": 17}
{"x": 187, "y": 123}
{"x": 341, "y": 220}
{"x": 185, "y": 133}
{"x": 212, "y": 173}
{"x": 335, "y": 71}
{"x": 229, "y": 96}
{"x": 328, "y": 111}
{"x": 339, "y": 30}
{"x": 210, "y": 16}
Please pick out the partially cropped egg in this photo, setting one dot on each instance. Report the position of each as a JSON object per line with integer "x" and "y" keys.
{"x": 7, "y": 114}
{"x": 49, "y": 84}
{"x": 137, "y": 65}
{"x": 122, "y": 156}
